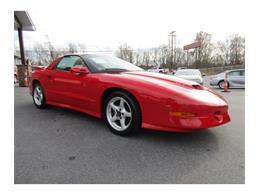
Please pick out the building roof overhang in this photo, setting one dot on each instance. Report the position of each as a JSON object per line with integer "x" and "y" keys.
{"x": 23, "y": 21}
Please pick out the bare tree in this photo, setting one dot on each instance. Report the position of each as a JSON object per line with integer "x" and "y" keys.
{"x": 72, "y": 47}
{"x": 146, "y": 58}
{"x": 125, "y": 52}
{"x": 180, "y": 56}
{"x": 51, "y": 49}
{"x": 237, "y": 49}
{"x": 221, "y": 53}
{"x": 40, "y": 54}
{"x": 155, "y": 58}
{"x": 205, "y": 52}
{"x": 137, "y": 58}
{"x": 165, "y": 56}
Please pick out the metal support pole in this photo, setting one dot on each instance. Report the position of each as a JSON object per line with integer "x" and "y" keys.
{"x": 175, "y": 50}
{"x": 187, "y": 58}
{"x": 171, "y": 52}
{"x": 20, "y": 35}
{"x": 172, "y": 35}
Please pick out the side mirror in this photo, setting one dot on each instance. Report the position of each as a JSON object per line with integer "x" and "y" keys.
{"x": 79, "y": 70}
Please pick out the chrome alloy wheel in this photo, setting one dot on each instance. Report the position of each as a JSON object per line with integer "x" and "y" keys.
{"x": 38, "y": 95}
{"x": 118, "y": 113}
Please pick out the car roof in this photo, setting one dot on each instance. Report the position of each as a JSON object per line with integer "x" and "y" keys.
{"x": 187, "y": 69}
{"x": 89, "y": 53}
{"x": 235, "y": 70}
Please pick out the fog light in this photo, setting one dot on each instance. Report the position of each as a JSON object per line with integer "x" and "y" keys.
{"x": 182, "y": 114}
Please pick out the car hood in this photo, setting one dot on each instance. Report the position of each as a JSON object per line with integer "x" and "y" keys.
{"x": 181, "y": 86}
{"x": 160, "y": 79}
{"x": 191, "y": 77}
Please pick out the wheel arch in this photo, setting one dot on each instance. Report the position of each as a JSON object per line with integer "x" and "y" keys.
{"x": 108, "y": 91}
{"x": 32, "y": 85}
{"x": 34, "y": 82}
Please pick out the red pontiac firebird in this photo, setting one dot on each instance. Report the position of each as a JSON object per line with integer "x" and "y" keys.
{"x": 126, "y": 96}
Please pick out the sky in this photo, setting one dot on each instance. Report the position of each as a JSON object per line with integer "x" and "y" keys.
{"x": 141, "y": 24}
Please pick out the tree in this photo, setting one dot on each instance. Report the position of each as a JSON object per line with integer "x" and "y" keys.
{"x": 72, "y": 47}
{"x": 180, "y": 56}
{"x": 137, "y": 58}
{"x": 221, "y": 53}
{"x": 205, "y": 52}
{"x": 146, "y": 58}
{"x": 125, "y": 52}
{"x": 40, "y": 54}
{"x": 53, "y": 54}
{"x": 163, "y": 55}
{"x": 237, "y": 49}
{"x": 155, "y": 58}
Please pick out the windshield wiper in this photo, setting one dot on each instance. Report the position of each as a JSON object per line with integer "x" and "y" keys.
{"x": 113, "y": 70}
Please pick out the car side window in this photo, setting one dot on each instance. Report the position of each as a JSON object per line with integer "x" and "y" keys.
{"x": 67, "y": 62}
{"x": 242, "y": 73}
{"x": 79, "y": 62}
{"x": 234, "y": 73}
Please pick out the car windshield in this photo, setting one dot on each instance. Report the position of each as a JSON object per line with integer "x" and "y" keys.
{"x": 105, "y": 63}
{"x": 188, "y": 72}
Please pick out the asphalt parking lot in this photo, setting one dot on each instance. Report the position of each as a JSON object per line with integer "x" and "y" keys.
{"x": 57, "y": 145}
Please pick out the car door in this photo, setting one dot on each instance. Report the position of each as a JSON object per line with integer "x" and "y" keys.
{"x": 69, "y": 88}
{"x": 242, "y": 75}
{"x": 234, "y": 78}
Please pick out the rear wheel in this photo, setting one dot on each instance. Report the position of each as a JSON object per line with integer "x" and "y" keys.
{"x": 122, "y": 113}
{"x": 38, "y": 96}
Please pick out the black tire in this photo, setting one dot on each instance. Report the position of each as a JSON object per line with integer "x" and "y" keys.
{"x": 135, "y": 122}
{"x": 222, "y": 83}
{"x": 42, "y": 105}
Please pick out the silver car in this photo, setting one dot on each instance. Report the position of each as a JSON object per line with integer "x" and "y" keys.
{"x": 190, "y": 74}
{"x": 235, "y": 78}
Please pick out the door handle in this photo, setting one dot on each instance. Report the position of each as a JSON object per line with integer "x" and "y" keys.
{"x": 49, "y": 76}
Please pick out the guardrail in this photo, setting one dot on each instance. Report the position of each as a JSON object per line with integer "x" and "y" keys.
{"x": 219, "y": 69}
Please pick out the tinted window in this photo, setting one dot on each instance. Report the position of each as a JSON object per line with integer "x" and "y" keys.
{"x": 104, "y": 63}
{"x": 234, "y": 73}
{"x": 68, "y": 61}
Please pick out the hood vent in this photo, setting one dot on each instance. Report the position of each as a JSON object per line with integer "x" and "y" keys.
{"x": 198, "y": 87}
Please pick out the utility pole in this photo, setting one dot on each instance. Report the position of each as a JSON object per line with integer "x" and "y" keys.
{"x": 171, "y": 34}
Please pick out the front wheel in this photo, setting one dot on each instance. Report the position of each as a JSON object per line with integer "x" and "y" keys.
{"x": 38, "y": 96}
{"x": 122, "y": 113}
{"x": 221, "y": 84}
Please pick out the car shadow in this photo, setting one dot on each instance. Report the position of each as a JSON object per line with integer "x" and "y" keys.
{"x": 204, "y": 140}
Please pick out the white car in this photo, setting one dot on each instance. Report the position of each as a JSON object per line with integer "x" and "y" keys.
{"x": 190, "y": 74}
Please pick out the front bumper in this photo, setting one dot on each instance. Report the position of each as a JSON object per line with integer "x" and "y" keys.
{"x": 191, "y": 124}
{"x": 213, "y": 82}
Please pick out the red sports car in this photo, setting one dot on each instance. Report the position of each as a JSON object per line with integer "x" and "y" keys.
{"x": 126, "y": 96}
